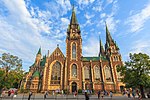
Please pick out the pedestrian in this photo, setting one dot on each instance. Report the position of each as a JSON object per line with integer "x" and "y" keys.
{"x": 45, "y": 94}
{"x": 111, "y": 94}
{"x": 53, "y": 93}
{"x": 128, "y": 93}
{"x": 9, "y": 93}
{"x": 62, "y": 92}
{"x": 102, "y": 95}
{"x": 86, "y": 96}
{"x": 99, "y": 92}
{"x": 12, "y": 93}
{"x": 30, "y": 94}
{"x": 133, "y": 94}
{"x": 75, "y": 94}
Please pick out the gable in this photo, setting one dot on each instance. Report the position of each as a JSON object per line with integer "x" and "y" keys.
{"x": 57, "y": 53}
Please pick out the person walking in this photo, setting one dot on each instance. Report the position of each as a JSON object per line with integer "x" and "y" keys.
{"x": 45, "y": 94}
{"x": 99, "y": 92}
{"x": 86, "y": 96}
{"x": 9, "y": 93}
{"x": 128, "y": 93}
{"x": 75, "y": 93}
{"x": 111, "y": 94}
{"x": 30, "y": 94}
{"x": 102, "y": 95}
{"x": 133, "y": 94}
{"x": 62, "y": 92}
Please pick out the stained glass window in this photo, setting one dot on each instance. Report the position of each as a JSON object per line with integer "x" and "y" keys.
{"x": 56, "y": 73}
{"x": 74, "y": 70}
{"x": 87, "y": 72}
{"x": 97, "y": 72}
{"x": 108, "y": 75}
{"x": 118, "y": 74}
{"x": 74, "y": 51}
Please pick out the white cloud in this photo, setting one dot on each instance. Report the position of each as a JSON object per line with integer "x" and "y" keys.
{"x": 22, "y": 31}
{"x": 89, "y": 16}
{"x": 91, "y": 48}
{"x": 58, "y": 8}
{"x": 136, "y": 21}
{"x": 112, "y": 24}
{"x": 140, "y": 46}
{"x": 85, "y": 2}
{"x": 103, "y": 15}
{"x": 98, "y": 6}
{"x": 109, "y": 1}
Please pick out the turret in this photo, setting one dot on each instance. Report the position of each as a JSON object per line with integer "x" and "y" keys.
{"x": 101, "y": 51}
{"x": 38, "y": 56}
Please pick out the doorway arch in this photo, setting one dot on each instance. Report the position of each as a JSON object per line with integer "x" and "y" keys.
{"x": 74, "y": 86}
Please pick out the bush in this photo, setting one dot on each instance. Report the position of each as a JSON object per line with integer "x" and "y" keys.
{"x": 80, "y": 91}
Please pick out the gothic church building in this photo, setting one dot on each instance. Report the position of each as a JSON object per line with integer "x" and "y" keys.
{"x": 74, "y": 71}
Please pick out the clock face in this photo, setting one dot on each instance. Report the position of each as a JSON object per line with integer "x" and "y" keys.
{"x": 73, "y": 35}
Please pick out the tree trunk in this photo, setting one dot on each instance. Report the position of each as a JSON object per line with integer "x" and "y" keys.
{"x": 142, "y": 91}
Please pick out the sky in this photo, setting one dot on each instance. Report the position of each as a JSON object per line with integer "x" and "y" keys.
{"x": 27, "y": 25}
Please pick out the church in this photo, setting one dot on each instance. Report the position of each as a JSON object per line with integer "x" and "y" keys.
{"x": 73, "y": 71}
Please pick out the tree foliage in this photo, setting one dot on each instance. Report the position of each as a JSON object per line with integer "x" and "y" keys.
{"x": 136, "y": 71}
{"x": 10, "y": 71}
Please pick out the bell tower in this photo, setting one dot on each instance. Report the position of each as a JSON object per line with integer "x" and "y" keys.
{"x": 73, "y": 40}
{"x": 73, "y": 54}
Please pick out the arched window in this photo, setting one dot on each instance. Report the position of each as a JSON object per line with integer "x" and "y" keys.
{"x": 74, "y": 51}
{"x": 118, "y": 73}
{"x": 108, "y": 75}
{"x": 74, "y": 70}
{"x": 56, "y": 73}
{"x": 97, "y": 72}
{"x": 87, "y": 72}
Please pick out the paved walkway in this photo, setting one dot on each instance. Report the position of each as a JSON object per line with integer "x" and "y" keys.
{"x": 65, "y": 97}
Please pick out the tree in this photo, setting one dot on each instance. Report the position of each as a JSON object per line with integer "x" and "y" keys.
{"x": 136, "y": 72}
{"x": 11, "y": 70}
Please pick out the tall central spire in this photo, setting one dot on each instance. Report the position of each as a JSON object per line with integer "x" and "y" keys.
{"x": 39, "y": 52}
{"x": 73, "y": 17}
{"x": 108, "y": 36}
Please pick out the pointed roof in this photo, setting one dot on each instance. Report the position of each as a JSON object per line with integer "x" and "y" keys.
{"x": 39, "y": 52}
{"x": 73, "y": 17}
{"x": 36, "y": 74}
{"x": 43, "y": 61}
{"x": 101, "y": 49}
{"x": 108, "y": 36}
{"x": 57, "y": 52}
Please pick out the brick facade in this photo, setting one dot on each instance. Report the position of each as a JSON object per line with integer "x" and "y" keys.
{"x": 74, "y": 72}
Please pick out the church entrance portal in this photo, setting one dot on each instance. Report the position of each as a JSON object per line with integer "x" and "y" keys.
{"x": 74, "y": 87}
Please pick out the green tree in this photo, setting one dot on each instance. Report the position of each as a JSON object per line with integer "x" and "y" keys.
{"x": 11, "y": 70}
{"x": 136, "y": 72}
{"x": 2, "y": 72}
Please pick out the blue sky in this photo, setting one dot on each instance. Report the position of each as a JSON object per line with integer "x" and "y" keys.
{"x": 25, "y": 25}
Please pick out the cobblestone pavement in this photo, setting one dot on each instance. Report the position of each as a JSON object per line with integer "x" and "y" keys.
{"x": 65, "y": 97}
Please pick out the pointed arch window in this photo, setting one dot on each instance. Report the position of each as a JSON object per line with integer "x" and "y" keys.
{"x": 74, "y": 51}
{"x": 87, "y": 72}
{"x": 108, "y": 75}
{"x": 74, "y": 70}
{"x": 97, "y": 72}
{"x": 56, "y": 73}
{"x": 118, "y": 73}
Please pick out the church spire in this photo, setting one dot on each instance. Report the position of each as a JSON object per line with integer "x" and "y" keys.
{"x": 108, "y": 36}
{"x": 39, "y": 52}
{"x": 101, "y": 52}
{"x": 73, "y": 17}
